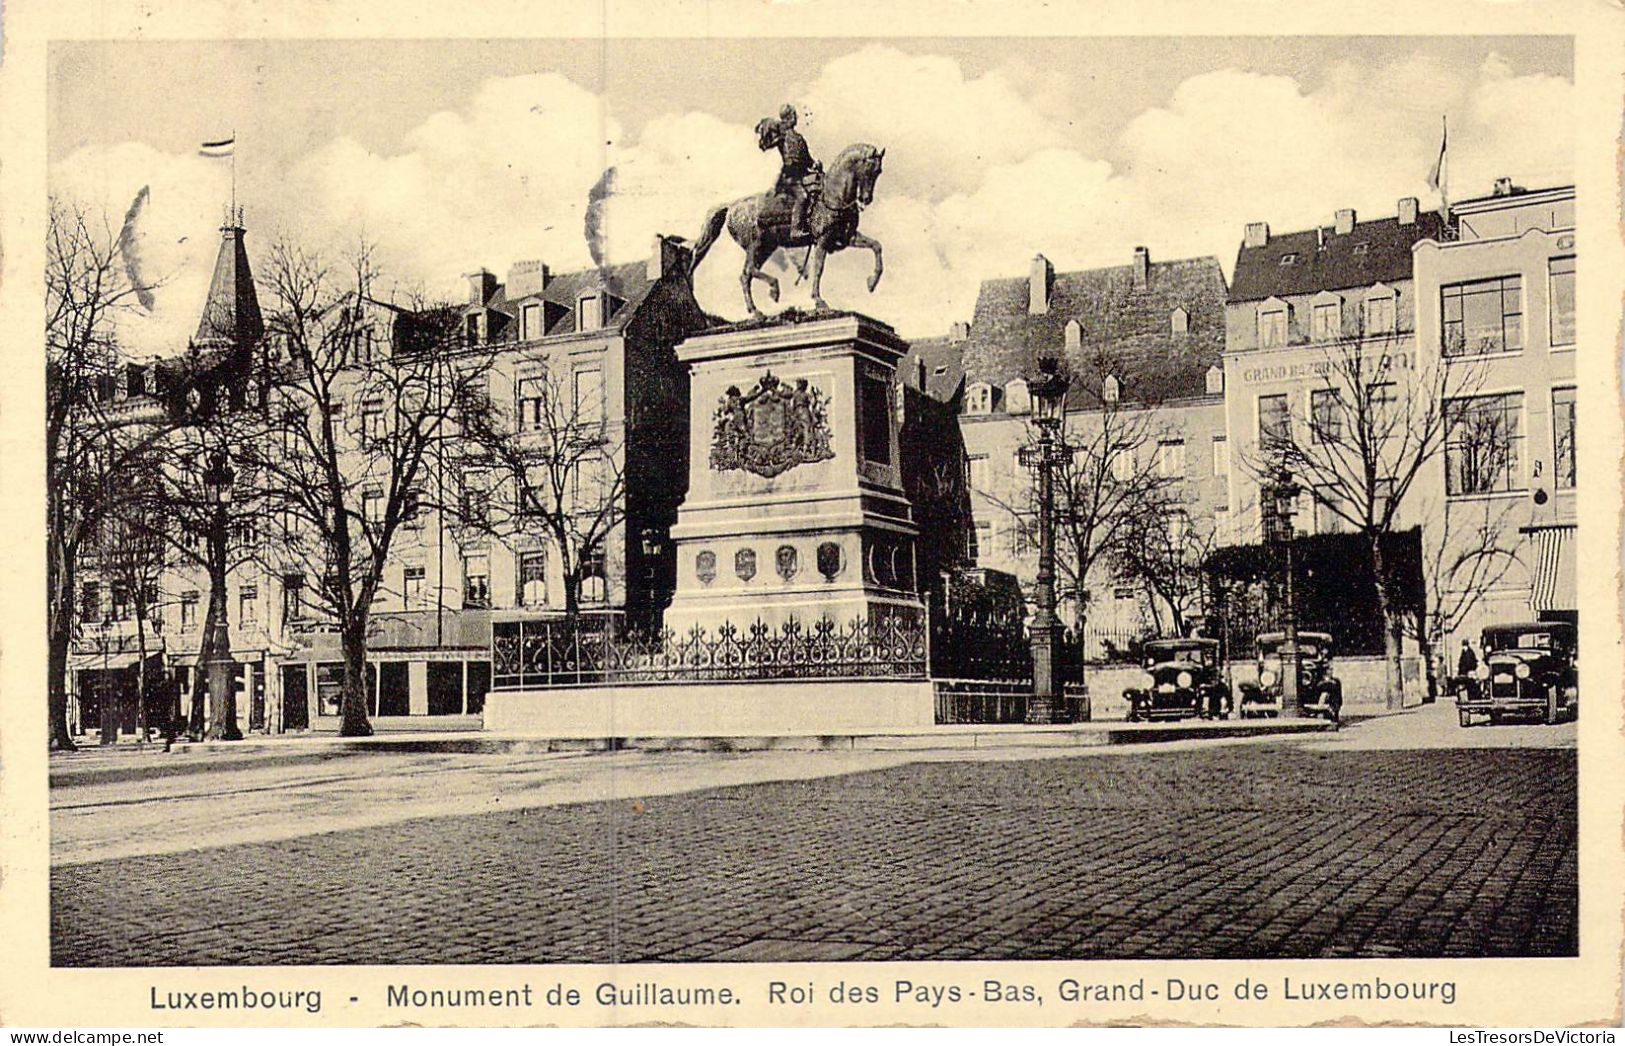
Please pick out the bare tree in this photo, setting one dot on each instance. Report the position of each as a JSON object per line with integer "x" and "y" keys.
{"x": 90, "y": 438}
{"x": 364, "y": 397}
{"x": 1163, "y": 550}
{"x": 1467, "y": 549}
{"x": 1380, "y": 417}
{"x": 133, "y": 562}
{"x": 564, "y": 468}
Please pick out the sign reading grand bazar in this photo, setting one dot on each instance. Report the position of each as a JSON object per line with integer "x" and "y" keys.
{"x": 1193, "y": 491}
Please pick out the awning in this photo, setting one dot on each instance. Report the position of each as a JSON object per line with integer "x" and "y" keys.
{"x": 113, "y": 660}
{"x": 1551, "y": 572}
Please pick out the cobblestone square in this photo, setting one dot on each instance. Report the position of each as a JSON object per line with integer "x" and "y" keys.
{"x": 1283, "y": 850}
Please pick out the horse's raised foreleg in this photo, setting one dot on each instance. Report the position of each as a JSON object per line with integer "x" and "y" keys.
{"x": 860, "y": 240}
{"x": 815, "y": 269}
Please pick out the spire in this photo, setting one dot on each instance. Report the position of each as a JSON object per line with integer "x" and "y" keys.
{"x": 231, "y": 314}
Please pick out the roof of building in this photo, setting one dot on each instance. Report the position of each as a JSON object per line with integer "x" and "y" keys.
{"x": 1124, "y": 331}
{"x": 1376, "y": 251}
{"x": 231, "y": 312}
{"x": 944, "y": 371}
{"x": 627, "y": 285}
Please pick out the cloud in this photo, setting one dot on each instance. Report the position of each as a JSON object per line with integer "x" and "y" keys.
{"x": 979, "y": 176}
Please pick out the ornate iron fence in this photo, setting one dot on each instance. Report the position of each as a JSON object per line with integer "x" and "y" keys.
{"x": 527, "y": 653}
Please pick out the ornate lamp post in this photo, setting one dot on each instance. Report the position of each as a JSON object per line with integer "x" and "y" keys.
{"x": 1049, "y": 405}
{"x": 1283, "y": 495}
{"x": 221, "y": 669}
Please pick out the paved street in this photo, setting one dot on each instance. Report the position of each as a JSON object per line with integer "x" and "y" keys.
{"x": 1391, "y": 846}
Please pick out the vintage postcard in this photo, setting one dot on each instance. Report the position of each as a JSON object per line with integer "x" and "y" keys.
{"x": 791, "y": 514}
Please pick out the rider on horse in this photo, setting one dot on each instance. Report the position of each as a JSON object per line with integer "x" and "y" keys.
{"x": 800, "y": 176}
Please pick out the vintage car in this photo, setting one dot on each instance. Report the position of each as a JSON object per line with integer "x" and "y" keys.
{"x": 1319, "y": 692}
{"x": 1182, "y": 678}
{"x": 1528, "y": 670}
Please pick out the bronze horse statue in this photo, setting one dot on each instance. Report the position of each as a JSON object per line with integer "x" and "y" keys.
{"x": 761, "y": 225}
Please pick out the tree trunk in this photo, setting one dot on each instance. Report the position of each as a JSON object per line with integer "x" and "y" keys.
{"x": 141, "y": 675}
{"x": 197, "y": 722}
{"x": 59, "y": 643}
{"x": 353, "y": 701}
{"x": 1392, "y": 644}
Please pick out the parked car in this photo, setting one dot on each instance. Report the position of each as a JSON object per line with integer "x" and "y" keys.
{"x": 1528, "y": 670}
{"x": 1182, "y": 679}
{"x": 1319, "y": 691}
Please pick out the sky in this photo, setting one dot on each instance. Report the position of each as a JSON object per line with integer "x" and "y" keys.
{"x": 452, "y": 155}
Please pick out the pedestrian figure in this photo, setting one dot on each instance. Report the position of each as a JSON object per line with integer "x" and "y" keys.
{"x": 1466, "y": 666}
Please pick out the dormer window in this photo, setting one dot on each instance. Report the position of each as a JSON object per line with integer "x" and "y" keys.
{"x": 1272, "y": 324}
{"x": 1017, "y": 398}
{"x": 590, "y": 311}
{"x": 530, "y": 322}
{"x": 1381, "y": 307}
{"x": 1327, "y": 317}
{"x": 1290, "y": 258}
{"x": 979, "y": 399}
{"x": 1110, "y": 389}
{"x": 1215, "y": 380}
{"x": 1362, "y": 248}
{"x": 1179, "y": 321}
{"x": 1074, "y": 334}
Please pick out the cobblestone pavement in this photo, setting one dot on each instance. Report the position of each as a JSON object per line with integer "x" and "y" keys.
{"x": 1237, "y": 851}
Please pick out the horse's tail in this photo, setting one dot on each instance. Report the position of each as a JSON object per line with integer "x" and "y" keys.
{"x": 715, "y": 219}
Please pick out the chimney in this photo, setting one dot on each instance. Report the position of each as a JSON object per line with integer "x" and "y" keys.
{"x": 1257, "y": 234}
{"x": 1142, "y": 268}
{"x": 1040, "y": 281}
{"x": 1407, "y": 210}
{"x": 668, "y": 256}
{"x": 481, "y": 285}
{"x": 1504, "y": 187}
{"x": 527, "y": 277}
{"x": 958, "y": 332}
{"x": 1345, "y": 221}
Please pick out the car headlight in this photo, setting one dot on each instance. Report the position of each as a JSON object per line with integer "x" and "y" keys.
{"x": 1522, "y": 671}
{"x": 1482, "y": 671}
{"x": 1266, "y": 677}
{"x": 1183, "y": 679}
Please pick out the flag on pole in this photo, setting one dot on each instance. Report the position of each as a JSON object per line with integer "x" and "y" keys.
{"x": 224, "y": 147}
{"x": 1436, "y": 172}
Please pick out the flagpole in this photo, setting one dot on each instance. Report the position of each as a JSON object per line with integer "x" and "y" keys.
{"x": 234, "y": 220}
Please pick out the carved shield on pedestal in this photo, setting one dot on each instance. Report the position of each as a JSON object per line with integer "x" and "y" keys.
{"x": 770, "y": 429}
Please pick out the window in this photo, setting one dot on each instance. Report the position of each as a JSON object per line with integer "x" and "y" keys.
{"x": 248, "y": 604}
{"x": 475, "y": 500}
{"x": 1018, "y": 397}
{"x": 1215, "y": 381}
{"x": 1221, "y": 456}
{"x": 1379, "y": 315}
{"x": 589, "y": 312}
{"x": 981, "y": 472}
{"x": 1484, "y": 316}
{"x": 90, "y": 602}
{"x": 372, "y": 506}
{"x": 293, "y": 598}
{"x": 1170, "y": 461}
{"x": 372, "y": 420}
{"x": 1288, "y": 259}
{"x": 412, "y": 509}
{"x": 1382, "y": 412}
{"x": 1325, "y": 415}
{"x": 1327, "y": 518}
{"x": 476, "y": 580}
{"x": 188, "y": 611}
{"x": 121, "y": 602}
{"x": 589, "y": 396}
{"x": 590, "y": 484}
{"x": 1123, "y": 464}
{"x": 1560, "y": 276}
{"x": 1178, "y": 526}
{"x": 530, "y": 322}
{"x": 412, "y": 586}
{"x": 531, "y": 393}
{"x": 979, "y": 399}
{"x": 1328, "y": 321}
{"x": 1073, "y": 334}
{"x": 472, "y": 330}
{"x": 1563, "y": 438}
{"x": 1274, "y": 420}
{"x": 1272, "y": 329}
{"x": 533, "y": 579}
{"x": 1111, "y": 389}
{"x": 1023, "y": 536}
{"x": 1179, "y": 321}
{"x": 594, "y": 581}
{"x": 1483, "y": 444}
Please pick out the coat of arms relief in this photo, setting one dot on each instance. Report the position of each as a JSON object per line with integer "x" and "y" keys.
{"x": 770, "y": 429}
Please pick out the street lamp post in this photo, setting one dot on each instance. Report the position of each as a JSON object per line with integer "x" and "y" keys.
{"x": 221, "y": 669}
{"x": 1049, "y": 404}
{"x": 1285, "y": 495}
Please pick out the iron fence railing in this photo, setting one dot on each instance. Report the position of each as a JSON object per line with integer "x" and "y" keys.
{"x": 541, "y": 653}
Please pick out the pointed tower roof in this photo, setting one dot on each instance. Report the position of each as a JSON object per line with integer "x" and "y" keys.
{"x": 231, "y": 314}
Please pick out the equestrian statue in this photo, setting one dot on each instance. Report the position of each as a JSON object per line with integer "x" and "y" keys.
{"x": 805, "y": 209}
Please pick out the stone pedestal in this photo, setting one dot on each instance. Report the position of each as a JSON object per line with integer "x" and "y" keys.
{"x": 795, "y": 507}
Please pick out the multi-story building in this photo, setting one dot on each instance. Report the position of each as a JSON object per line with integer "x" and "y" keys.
{"x": 1143, "y": 344}
{"x": 1499, "y": 307}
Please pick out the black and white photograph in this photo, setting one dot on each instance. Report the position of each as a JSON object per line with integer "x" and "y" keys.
{"x": 672, "y": 504}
